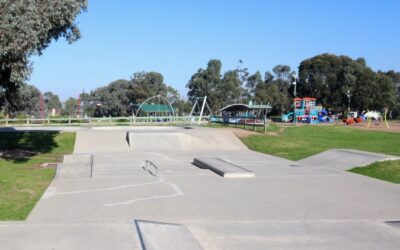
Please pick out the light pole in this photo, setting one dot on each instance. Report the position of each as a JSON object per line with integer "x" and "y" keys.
{"x": 348, "y": 103}
{"x": 294, "y": 100}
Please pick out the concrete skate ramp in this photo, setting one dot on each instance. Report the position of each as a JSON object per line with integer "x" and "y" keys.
{"x": 345, "y": 159}
{"x": 89, "y": 141}
{"x": 223, "y": 168}
{"x": 75, "y": 166}
{"x": 156, "y": 236}
{"x": 180, "y": 139}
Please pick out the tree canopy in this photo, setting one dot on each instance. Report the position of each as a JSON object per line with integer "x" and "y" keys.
{"x": 26, "y": 29}
{"x": 330, "y": 79}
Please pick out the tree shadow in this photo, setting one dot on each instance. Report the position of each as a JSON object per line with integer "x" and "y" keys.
{"x": 20, "y": 146}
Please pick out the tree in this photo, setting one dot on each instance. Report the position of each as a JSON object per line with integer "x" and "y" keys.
{"x": 26, "y": 29}
{"x": 112, "y": 100}
{"x": 269, "y": 92}
{"x": 147, "y": 84}
{"x": 329, "y": 78}
{"x": 395, "y": 78}
{"x": 229, "y": 90}
{"x": 70, "y": 107}
{"x": 205, "y": 82}
{"x": 28, "y": 101}
{"x": 52, "y": 101}
{"x": 253, "y": 81}
{"x": 246, "y": 89}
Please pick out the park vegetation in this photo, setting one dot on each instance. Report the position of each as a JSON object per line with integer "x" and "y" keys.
{"x": 337, "y": 82}
{"x": 27, "y": 166}
{"x": 26, "y": 29}
{"x": 329, "y": 78}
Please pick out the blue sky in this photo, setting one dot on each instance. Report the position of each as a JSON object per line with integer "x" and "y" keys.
{"x": 177, "y": 37}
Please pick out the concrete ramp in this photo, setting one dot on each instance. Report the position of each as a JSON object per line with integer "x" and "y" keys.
{"x": 159, "y": 141}
{"x": 157, "y": 236}
{"x": 223, "y": 168}
{"x": 181, "y": 139}
{"x": 345, "y": 159}
{"x": 75, "y": 166}
{"x": 109, "y": 141}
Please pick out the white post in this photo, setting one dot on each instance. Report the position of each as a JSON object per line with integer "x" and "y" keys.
{"x": 202, "y": 108}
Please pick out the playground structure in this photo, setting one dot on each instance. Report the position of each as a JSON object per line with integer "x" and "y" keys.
{"x": 368, "y": 116}
{"x": 324, "y": 116}
{"x": 200, "y": 108}
{"x": 305, "y": 111}
{"x": 166, "y": 108}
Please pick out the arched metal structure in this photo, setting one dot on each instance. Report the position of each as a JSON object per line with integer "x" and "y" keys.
{"x": 156, "y": 96}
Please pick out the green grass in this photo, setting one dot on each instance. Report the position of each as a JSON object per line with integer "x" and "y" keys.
{"x": 296, "y": 143}
{"x": 270, "y": 127}
{"x": 385, "y": 170}
{"x": 22, "y": 179}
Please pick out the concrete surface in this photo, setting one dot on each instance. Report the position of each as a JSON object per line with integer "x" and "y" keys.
{"x": 312, "y": 204}
{"x": 154, "y": 235}
{"x": 223, "y": 168}
{"x": 345, "y": 159}
{"x": 75, "y": 166}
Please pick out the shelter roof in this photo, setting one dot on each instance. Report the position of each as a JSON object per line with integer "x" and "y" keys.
{"x": 245, "y": 107}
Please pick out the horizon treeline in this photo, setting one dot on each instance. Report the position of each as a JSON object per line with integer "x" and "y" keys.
{"x": 327, "y": 77}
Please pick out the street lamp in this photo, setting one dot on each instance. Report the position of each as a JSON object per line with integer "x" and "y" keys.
{"x": 294, "y": 100}
{"x": 348, "y": 103}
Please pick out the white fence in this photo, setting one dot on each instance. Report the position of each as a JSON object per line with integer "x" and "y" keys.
{"x": 69, "y": 121}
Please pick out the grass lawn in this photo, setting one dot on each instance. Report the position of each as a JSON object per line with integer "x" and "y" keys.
{"x": 269, "y": 128}
{"x": 296, "y": 143}
{"x": 386, "y": 170}
{"x": 22, "y": 179}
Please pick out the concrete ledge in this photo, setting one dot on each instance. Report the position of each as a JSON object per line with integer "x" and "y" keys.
{"x": 156, "y": 235}
{"x": 223, "y": 168}
{"x": 76, "y": 166}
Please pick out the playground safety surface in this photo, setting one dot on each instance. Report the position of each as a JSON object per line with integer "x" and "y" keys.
{"x": 105, "y": 196}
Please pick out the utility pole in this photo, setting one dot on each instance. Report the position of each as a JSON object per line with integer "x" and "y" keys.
{"x": 78, "y": 113}
{"x": 41, "y": 106}
{"x": 348, "y": 103}
{"x": 294, "y": 100}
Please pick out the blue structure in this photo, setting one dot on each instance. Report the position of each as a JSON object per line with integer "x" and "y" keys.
{"x": 305, "y": 110}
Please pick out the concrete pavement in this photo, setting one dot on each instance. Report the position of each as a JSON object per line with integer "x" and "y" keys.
{"x": 311, "y": 204}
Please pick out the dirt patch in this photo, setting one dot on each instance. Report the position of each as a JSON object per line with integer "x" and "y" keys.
{"x": 17, "y": 154}
{"x": 394, "y": 126}
{"x": 29, "y": 191}
{"x": 242, "y": 133}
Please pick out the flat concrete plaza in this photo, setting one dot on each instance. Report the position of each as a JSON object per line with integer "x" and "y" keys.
{"x": 136, "y": 188}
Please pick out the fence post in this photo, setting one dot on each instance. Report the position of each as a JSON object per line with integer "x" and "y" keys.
{"x": 27, "y": 120}
{"x": 6, "y": 120}
{"x": 265, "y": 125}
{"x": 69, "y": 120}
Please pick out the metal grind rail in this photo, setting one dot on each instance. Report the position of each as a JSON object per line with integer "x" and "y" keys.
{"x": 151, "y": 168}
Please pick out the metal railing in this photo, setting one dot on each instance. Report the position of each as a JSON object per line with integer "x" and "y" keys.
{"x": 151, "y": 168}
{"x": 70, "y": 121}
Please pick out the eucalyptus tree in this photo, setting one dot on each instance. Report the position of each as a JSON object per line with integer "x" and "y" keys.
{"x": 26, "y": 29}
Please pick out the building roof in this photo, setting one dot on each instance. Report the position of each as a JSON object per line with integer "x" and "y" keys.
{"x": 245, "y": 107}
{"x": 160, "y": 108}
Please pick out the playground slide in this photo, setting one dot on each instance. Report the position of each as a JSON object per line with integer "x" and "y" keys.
{"x": 287, "y": 117}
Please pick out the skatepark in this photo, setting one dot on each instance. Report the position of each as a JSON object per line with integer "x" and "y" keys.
{"x": 201, "y": 188}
